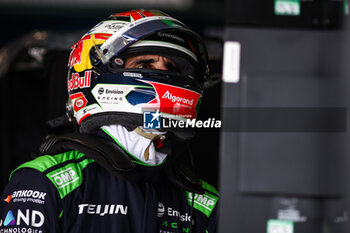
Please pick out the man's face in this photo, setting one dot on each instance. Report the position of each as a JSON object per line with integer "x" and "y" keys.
{"x": 151, "y": 62}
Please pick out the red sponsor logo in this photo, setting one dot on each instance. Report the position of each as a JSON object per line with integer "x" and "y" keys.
{"x": 175, "y": 100}
{"x": 79, "y": 82}
{"x": 79, "y": 101}
{"x": 8, "y": 198}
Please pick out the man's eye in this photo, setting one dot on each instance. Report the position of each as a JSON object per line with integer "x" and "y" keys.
{"x": 144, "y": 66}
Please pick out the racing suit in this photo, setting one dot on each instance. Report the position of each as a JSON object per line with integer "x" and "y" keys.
{"x": 70, "y": 192}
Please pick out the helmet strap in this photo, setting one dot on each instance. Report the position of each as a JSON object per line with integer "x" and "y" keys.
{"x": 152, "y": 137}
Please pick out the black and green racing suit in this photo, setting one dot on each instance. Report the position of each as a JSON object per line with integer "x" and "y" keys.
{"x": 70, "y": 192}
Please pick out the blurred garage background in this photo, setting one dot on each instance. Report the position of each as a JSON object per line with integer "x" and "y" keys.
{"x": 281, "y": 159}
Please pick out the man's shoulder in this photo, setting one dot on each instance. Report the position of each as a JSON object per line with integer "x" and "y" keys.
{"x": 64, "y": 170}
{"x": 45, "y": 162}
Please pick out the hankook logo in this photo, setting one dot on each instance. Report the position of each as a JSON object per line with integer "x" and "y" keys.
{"x": 27, "y": 196}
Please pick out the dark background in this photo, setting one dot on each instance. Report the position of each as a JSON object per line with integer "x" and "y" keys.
{"x": 287, "y": 62}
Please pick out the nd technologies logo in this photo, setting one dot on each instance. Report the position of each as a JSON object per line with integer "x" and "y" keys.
{"x": 31, "y": 218}
{"x": 151, "y": 119}
{"x": 10, "y": 219}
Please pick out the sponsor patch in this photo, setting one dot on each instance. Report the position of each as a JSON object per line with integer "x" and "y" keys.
{"x": 65, "y": 177}
{"x": 175, "y": 100}
{"x": 101, "y": 210}
{"x": 26, "y": 196}
{"x": 171, "y": 212}
{"x": 79, "y": 101}
{"x": 110, "y": 96}
{"x": 8, "y": 199}
{"x": 202, "y": 202}
{"x": 80, "y": 56}
{"x": 27, "y": 218}
{"x": 108, "y": 26}
{"x": 79, "y": 82}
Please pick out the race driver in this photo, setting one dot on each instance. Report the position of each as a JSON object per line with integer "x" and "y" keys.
{"x": 120, "y": 171}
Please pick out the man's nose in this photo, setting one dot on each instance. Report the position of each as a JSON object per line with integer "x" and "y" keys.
{"x": 160, "y": 65}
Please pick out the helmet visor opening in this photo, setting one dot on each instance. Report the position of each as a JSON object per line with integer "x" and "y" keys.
{"x": 183, "y": 63}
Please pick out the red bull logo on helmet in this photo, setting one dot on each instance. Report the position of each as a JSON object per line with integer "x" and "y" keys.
{"x": 80, "y": 56}
{"x": 79, "y": 82}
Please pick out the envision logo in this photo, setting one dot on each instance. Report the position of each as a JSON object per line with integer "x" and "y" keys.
{"x": 102, "y": 209}
{"x": 171, "y": 212}
{"x": 161, "y": 210}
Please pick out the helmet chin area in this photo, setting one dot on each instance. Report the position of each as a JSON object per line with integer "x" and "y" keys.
{"x": 110, "y": 98}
